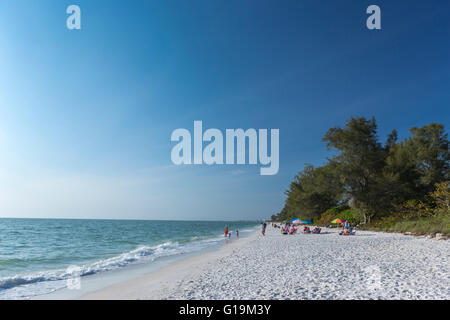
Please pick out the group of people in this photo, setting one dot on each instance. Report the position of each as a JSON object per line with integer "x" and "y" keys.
{"x": 316, "y": 229}
{"x": 347, "y": 229}
{"x": 227, "y": 233}
{"x": 290, "y": 229}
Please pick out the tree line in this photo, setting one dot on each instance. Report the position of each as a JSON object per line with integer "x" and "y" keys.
{"x": 367, "y": 180}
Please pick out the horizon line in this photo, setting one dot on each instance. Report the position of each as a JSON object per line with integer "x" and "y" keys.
{"x": 135, "y": 219}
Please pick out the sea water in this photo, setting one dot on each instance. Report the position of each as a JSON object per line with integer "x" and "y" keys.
{"x": 39, "y": 256}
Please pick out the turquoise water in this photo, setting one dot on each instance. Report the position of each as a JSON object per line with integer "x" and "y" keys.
{"x": 37, "y": 256}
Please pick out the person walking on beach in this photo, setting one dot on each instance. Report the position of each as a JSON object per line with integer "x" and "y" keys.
{"x": 237, "y": 233}
{"x": 263, "y": 230}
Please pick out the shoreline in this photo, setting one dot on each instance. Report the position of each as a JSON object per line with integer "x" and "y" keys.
{"x": 155, "y": 282}
{"x": 370, "y": 265}
{"x": 85, "y": 285}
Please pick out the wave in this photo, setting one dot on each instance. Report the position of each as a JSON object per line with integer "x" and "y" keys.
{"x": 140, "y": 254}
{"x": 24, "y": 286}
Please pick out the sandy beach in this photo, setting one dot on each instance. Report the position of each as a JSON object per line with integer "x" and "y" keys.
{"x": 369, "y": 265}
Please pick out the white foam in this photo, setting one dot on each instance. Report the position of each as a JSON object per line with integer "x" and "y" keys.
{"x": 37, "y": 283}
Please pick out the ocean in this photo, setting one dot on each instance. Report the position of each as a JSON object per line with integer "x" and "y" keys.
{"x": 40, "y": 256}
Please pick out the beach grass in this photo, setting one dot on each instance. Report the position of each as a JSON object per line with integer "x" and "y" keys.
{"x": 420, "y": 226}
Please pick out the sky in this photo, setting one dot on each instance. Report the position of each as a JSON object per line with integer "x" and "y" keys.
{"x": 86, "y": 115}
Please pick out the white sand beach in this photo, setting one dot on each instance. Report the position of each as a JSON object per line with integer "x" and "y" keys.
{"x": 369, "y": 265}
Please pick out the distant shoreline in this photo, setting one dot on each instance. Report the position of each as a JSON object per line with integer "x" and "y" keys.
{"x": 109, "y": 219}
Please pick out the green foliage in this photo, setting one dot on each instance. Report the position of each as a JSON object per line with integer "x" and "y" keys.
{"x": 412, "y": 209}
{"x": 431, "y": 225}
{"x": 437, "y": 203}
{"x": 401, "y": 184}
{"x": 329, "y": 215}
{"x": 337, "y": 210}
{"x": 313, "y": 191}
{"x": 324, "y": 219}
{"x": 360, "y": 161}
{"x": 347, "y": 215}
{"x": 441, "y": 197}
{"x": 429, "y": 147}
{"x": 401, "y": 175}
{"x": 421, "y": 217}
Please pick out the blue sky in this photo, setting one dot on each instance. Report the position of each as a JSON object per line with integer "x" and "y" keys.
{"x": 86, "y": 115}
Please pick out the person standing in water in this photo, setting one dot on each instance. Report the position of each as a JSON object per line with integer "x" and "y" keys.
{"x": 237, "y": 233}
{"x": 226, "y": 231}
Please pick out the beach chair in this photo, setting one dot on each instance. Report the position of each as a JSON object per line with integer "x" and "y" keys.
{"x": 317, "y": 231}
{"x": 347, "y": 233}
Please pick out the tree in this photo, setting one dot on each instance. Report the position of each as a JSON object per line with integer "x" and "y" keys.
{"x": 406, "y": 179}
{"x": 441, "y": 197}
{"x": 400, "y": 174}
{"x": 283, "y": 215}
{"x": 429, "y": 147}
{"x": 391, "y": 140}
{"x": 360, "y": 161}
{"x": 313, "y": 191}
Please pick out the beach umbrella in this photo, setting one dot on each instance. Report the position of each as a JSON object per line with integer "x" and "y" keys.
{"x": 307, "y": 222}
{"x": 338, "y": 221}
{"x": 295, "y": 219}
